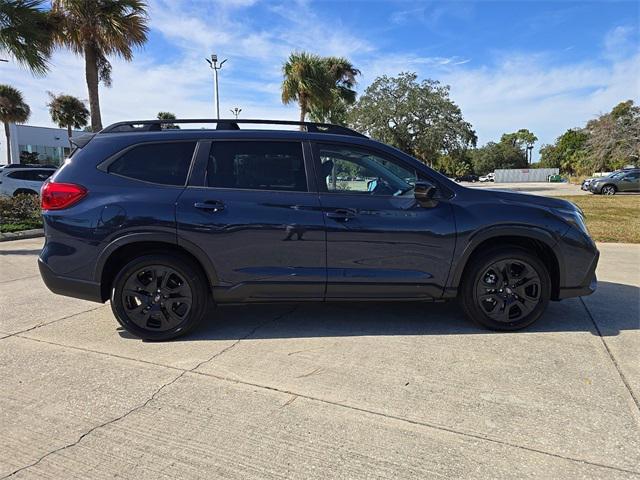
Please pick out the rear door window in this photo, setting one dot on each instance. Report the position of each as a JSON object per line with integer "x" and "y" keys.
{"x": 257, "y": 165}
{"x": 164, "y": 163}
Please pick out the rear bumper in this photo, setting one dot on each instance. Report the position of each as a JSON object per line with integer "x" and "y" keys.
{"x": 69, "y": 287}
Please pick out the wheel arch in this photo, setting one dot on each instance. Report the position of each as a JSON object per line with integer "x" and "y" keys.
{"x": 540, "y": 241}
{"x": 126, "y": 248}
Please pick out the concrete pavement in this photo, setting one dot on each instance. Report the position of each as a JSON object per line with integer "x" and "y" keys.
{"x": 320, "y": 391}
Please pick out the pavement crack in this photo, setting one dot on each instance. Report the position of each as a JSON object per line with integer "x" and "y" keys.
{"x": 150, "y": 399}
{"x": 44, "y": 324}
{"x": 635, "y": 399}
{"x": 295, "y": 396}
{"x": 315, "y": 371}
{"x": 244, "y": 337}
{"x": 477, "y": 436}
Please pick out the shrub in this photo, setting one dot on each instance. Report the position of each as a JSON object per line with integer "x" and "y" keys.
{"x": 20, "y": 212}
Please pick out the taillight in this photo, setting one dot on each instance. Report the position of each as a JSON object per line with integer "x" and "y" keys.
{"x": 56, "y": 196}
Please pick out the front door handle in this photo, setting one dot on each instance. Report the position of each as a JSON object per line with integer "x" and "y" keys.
{"x": 342, "y": 214}
{"x": 210, "y": 206}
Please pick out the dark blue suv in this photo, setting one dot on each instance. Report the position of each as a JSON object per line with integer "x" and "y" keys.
{"x": 166, "y": 222}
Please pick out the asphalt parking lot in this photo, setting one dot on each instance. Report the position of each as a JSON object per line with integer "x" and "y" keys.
{"x": 320, "y": 391}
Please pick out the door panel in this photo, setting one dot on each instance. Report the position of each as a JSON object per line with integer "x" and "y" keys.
{"x": 380, "y": 242}
{"x": 263, "y": 244}
{"x": 390, "y": 248}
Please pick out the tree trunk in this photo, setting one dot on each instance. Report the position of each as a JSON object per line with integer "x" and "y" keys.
{"x": 91, "y": 73}
{"x": 69, "y": 135}
{"x": 303, "y": 111}
{"x": 6, "y": 132}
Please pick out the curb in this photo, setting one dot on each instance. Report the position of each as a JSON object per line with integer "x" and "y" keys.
{"x": 34, "y": 233}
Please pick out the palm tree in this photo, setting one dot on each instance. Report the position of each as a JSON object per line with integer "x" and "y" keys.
{"x": 96, "y": 29}
{"x": 341, "y": 78}
{"x": 68, "y": 111}
{"x": 13, "y": 109}
{"x": 305, "y": 79}
{"x": 322, "y": 86}
{"x": 168, "y": 116}
{"x": 26, "y": 32}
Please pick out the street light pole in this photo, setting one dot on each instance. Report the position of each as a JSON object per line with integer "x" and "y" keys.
{"x": 236, "y": 111}
{"x": 213, "y": 63}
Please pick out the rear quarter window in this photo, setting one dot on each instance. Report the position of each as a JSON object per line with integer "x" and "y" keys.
{"x": 163, "y": 163}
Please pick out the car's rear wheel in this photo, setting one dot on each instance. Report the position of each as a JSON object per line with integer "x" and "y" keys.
{"x": 608, "y": 190}
{"x": 506, "y": 289}
{"x": 159, "y": 297}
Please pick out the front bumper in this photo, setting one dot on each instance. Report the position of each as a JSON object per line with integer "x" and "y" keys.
{"x": 69, "y": 287}
{"x": 586, "y": 287}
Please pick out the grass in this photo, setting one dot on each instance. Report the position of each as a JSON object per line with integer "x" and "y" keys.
{"x": 611, "y": 218}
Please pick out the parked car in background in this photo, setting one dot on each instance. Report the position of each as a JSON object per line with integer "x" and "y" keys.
{"x": 489, "y": 177}
{"x": 19, "y": 179}
{"x": 621, "y": 181}
{"x": 165, "y": 222}
{"x": 467, "y": 178}
{"x": 587, "y": 181}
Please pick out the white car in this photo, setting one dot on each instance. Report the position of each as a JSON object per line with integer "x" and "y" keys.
{"x": 23, "y": 179}
{"x": 489, "y": 177}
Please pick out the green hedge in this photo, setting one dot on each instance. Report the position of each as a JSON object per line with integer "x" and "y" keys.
{"x": 21, "y": 212}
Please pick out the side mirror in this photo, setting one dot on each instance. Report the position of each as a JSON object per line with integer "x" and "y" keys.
{"x": 424, "y": 191}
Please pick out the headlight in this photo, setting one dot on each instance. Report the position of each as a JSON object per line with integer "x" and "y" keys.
{"x": 575, "y": 218}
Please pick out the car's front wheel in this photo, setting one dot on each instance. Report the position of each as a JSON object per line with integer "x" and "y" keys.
{"x": 505, "y": 289}
{"x": 159, "y": 297}
{"x": 608, "y": 190}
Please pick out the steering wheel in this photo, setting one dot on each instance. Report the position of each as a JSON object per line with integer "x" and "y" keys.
{"x": 381, "y": 187}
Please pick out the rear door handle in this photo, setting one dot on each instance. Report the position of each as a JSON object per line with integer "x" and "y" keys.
{"x": 342, "y": 214}
{"x": 210, "y": 206}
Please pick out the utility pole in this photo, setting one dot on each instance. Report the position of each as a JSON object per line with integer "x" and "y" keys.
{"x": 213, "y": 63}
{"x": 236, "y": 111}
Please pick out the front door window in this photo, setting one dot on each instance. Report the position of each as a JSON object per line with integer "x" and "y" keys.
{"x": 346, "y": 169}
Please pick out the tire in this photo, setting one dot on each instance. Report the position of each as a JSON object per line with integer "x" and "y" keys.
{"x": 160, "y": 297}
{"x": 494, "y": 304}
{"x": 608, "y": 190}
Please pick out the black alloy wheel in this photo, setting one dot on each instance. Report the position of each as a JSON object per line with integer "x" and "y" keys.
{"x": 508, "y": 290}
{"x": 505, "y": 288}
{"x": 159, "y": 297}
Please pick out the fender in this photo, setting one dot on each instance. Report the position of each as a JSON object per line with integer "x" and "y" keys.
{"x": 164, "y": 237}
{"x": 550, "y": 239}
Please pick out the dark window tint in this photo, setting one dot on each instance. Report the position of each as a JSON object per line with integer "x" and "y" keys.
{"x": 257, "y": 166}
{"x": 31, "y": 175}
{"x": 166, "y": 163}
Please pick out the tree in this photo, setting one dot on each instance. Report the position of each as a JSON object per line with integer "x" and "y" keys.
{"x": 68, "y": 112}
{"x": 168, "y": 116}
{"x": 97, "y": 29}
{"x": 523, "y": 139}
{"x": 418, "y": 118}
{"x": 568, "y": 153}
{"x": 614, "y": 138}
{"x": 341, "y": 78}
{"x": 13, "y": 109}
{"x": 304, "y": 81}
{"x": 322, "y": 86}
{"x": 26, "y": 32}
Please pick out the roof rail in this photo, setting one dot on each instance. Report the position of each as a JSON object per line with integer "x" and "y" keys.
{"x": 226, "y": 124}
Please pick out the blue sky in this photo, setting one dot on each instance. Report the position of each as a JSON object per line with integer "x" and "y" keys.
{"x": 546, "y": 66}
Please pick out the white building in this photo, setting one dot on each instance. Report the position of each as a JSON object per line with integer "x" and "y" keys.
{"x": 31, "y": 144}
{"x": 520, "y": 175}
